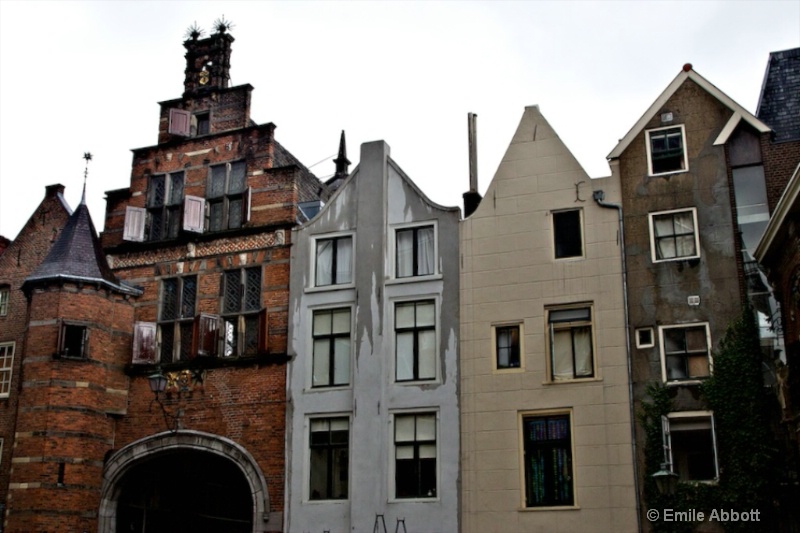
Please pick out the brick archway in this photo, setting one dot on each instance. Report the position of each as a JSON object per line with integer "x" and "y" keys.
{"x": 132, "y": 455}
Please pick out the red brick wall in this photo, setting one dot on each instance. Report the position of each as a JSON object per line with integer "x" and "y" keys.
{"x": 21, "y": 257}
{"x": 780, "y": 162}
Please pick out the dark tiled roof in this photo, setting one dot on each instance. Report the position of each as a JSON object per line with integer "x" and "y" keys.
{"x": 77, "y": 255}
{"x": 779, "y": 104}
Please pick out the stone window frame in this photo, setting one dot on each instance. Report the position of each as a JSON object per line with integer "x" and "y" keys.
{"x": 335, "y": 237}
{"x": 5, "y": 300}
{"x": 526, "y": 447}
{"x": 417, "y": 444}
{"x": 331, "y": 448}
{"x": 415, "y": 330}
{"x": 394, "y": 251}
{"x": 331, "y": 337}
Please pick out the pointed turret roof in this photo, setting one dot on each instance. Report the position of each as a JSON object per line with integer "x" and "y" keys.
{"x": 78, "y": 256}
{"x": 342, "y": 164}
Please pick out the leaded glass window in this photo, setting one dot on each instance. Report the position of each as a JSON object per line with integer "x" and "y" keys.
{"x": 164, "y": 201}
{"x": 547, "y": 443}
{"x": 241, "y": 312}
{"x": 228, "y": 196}
{"x": 176, "y": 318}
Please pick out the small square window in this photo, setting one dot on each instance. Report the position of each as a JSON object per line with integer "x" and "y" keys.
{"x": 685, "y": 352}
{"x": 674, "y": 235}
{"x": 5, "y": 294}
{"x": 201, "y": 123}
{"x": 73, "y": 341}
{"x": 567, "y": 234}
{"x": 644, "y": 338}
{"x": 690, "y": 445}
{"x": 507, "y": 347}
{"x": 571, "y": 343}
{"x": 416, "y": 251}
{"x": 666, "y": 150}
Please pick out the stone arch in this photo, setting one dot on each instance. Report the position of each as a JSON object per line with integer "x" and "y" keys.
{"x": 130, "y": 456}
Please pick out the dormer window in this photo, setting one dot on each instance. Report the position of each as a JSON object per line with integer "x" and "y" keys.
{"x": 201, "y": 123}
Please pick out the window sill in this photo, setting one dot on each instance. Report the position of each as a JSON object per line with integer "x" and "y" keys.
{"x": 332, "y": 388}
{"x": 594, "y": 379}
{"x": 332, "y": 287}
{"x": 414, "y": 500}
{"x": 666, "y": 174}
{"x": 569, "y": 259}
{"x": 679, "y": 383}
{"x": 340, "y": 501}
{"x": 552, "y": 508}
{"x": 674, "y": 259}
{"x": 413, "y": 279}
{"x": 511, "y": 370}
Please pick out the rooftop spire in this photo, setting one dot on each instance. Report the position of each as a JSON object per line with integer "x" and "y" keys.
{"x": 341, "y": 160}
{"x": 88, "y": 157}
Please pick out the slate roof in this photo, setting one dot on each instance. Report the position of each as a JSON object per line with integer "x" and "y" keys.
{"x": 779, "y": 103}
{"x": 78, "y": 256}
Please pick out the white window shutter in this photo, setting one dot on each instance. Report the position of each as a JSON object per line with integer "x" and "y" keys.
{"x": 666, "y": 441}
{"x": 248, "y": 196}
{"x": 134, "y": 224}
{"x": 180, "y": 122}
{"x": 144, "y": 343}
{"x": 194, "y": 210}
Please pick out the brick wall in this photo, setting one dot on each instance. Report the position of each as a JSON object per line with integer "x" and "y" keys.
{"x": 780, "y": 161}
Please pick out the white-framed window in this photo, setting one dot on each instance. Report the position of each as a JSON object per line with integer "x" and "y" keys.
{"x": 6, "y": 367}
{"x": 567, "y": 234}
{"x": 415, "y": 455}
{"x": 415, "y": 340}
{"x": 571, "y": 342}
{"x": 5, "y": 296}
{"x": 685, "y": 352}
{"x": 507, "y": 344}
{"x": 331, "y": 333}
{"x": 333, "y": 260}
{"x": 228, "y": 196}
{"x": 547, "y": 459}
{"x": 329, "y": 458}
{"x": 415, "y": 251}
{"x": 666, "y": 150}
{"x": 645, "y": 338}
{"x": 690, "y": 445}
{"x": 674, "y": 235}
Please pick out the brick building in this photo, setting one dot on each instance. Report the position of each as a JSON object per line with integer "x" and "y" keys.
{"x": 187, "y": 287}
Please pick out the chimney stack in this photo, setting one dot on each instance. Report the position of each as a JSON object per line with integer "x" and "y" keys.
{"x": 471, "y": 198}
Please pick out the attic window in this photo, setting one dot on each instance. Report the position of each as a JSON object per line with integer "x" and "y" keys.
{"x": 201, "y": 124}
{"x": 666, "y": 150}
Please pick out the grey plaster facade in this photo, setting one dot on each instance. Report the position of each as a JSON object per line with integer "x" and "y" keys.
{"x": 375, "y": 202}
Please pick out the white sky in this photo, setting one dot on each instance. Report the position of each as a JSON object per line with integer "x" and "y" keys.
{"x": 87, "y": 76}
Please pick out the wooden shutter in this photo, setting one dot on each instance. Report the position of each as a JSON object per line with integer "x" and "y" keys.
{"x": 263, "y": 332}
{"x": 134, "y": 224}
{"x": 194, "y": 210}
{"x": 246, "y": 201}
{"x": 206, "y": 336}
{"x": 180, "y": 122}
{"x": 144, "y": 343}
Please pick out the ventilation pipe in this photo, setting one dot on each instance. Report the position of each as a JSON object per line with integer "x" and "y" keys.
{"x": 471, "y": 198}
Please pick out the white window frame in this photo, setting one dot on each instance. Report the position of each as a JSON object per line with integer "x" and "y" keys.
{"x": 666, "y": 436}
{"x": 550, "y": 329}
{"x": 393, "y": 454}
{"x": 307, "y": 456}
{"x": 310, "y": 382}
{"x": 437, "y": 326}
{"x": 553, "y": 214}
{"x": 6, "y": 368}
{"x": 639, "y": 344}
{"x": 521, "y": 416}
{"x": 393, "y": 249}
{"x": 663, "y": 356}
{"x": 312, "y": 284}
{"x": 648, "y": 144}
{"x": 651, "y": 223}
{"x": 520, "y": 325}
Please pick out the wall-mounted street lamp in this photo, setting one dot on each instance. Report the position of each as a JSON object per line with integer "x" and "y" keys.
{"x": 666, "y": 480}
{"x": 158, "y": 383}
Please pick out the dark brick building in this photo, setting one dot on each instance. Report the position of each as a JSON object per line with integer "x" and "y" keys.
{"x": 188, "y": 285}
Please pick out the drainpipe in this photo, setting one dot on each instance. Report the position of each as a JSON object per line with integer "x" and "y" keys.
{"x": 599, "y": 197}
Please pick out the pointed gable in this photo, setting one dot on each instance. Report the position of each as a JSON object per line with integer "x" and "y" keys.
{"x": 739, "y": 113}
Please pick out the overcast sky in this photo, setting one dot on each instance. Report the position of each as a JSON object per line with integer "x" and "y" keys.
{"x": 87, "y": 76}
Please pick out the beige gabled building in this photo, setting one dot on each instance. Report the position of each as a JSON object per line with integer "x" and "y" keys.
{"x": 546, "y": 411}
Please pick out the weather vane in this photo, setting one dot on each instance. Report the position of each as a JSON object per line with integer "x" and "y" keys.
{"x": 194, "y": 31}
{"x": 88, "y": 157}
{"x": 222, "y": 24}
